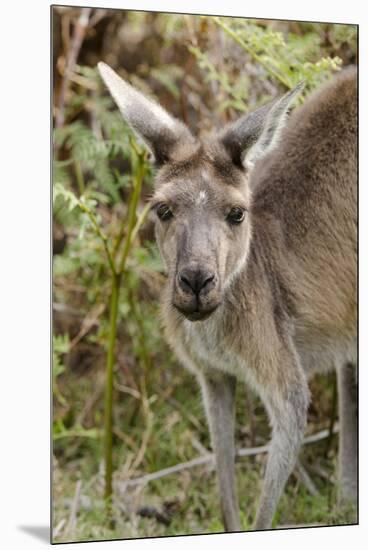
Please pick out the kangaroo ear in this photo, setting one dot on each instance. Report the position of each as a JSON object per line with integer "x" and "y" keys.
{"x": 160, "y": 131}
{"x": 254, "y": 135}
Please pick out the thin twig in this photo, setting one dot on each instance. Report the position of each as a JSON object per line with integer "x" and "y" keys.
{"x": 92, "y": 433}
{"x": 77, "y": 41}
{"x": 126, "y": 389}
{"x": 125, "y": 438}
{"x": 145, "y": 439}
{"x": 149, "y": 423}
{"x": 100, "y": 233}
{"x": 127, "y": 226}
{"x": 98, "y": 15}
{"x": 74, "y": 510}
{"x": 88, "y": 323}
{"x": 209, "y": 458}
{"x": 141, "y": 218}
{"x": 68, "y": 310}
{"x": 133, "y": 225}
{"x": 58, "y": 528}
{"x": 301, "y": 473}
{"x": 84, "y": 82}
{"x": 321, "y": 472}
{"x": 199, "y": 447}
{"x": 109, "y": 385}
{"x": 314, "y": 438}
{"x": 201, "y": 460}
{"x": 79, "y": 176}
{"x": 90, "y": 402}
{"x": 252, "y": 52}
{"x": 183, "y": 411}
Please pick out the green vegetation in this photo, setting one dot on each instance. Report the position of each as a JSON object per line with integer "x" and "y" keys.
{"x": 123, "y": 407}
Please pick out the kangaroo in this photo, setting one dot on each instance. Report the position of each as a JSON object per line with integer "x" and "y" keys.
{"x": 256, "y": 225}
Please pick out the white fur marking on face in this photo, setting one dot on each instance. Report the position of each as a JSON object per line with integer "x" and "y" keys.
{"x": 202, "y": 197}
{"x": 204, "y": 175}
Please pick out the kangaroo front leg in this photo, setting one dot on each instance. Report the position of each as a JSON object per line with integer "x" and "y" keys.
{"x": 219, "y": 400}
{"x": 288, "y": 416}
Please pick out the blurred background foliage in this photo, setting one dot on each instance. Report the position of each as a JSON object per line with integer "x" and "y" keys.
{"x": 205, "y": 71}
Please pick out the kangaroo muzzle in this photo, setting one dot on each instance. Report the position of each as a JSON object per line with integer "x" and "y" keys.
{"x": 196, "y": 292}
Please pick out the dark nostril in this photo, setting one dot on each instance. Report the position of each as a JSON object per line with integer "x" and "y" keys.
{"x": 195, "y": 280}
{"x": 184, "y": 279}
{"x": 208, "y": 280}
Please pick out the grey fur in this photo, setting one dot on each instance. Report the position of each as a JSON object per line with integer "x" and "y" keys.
{"x": 274, "y": 294}
{"x": 219, "y": 398}
{"x": 348, "y": 450}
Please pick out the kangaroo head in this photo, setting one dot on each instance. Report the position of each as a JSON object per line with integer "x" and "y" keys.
{"x": 202, "y": 197}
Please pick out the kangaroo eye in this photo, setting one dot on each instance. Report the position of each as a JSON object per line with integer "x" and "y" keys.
{"x": 236, "y": 215}
{"x": 164, "y": 212}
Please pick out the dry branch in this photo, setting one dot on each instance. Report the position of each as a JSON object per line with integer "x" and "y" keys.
{"x": 56, "y": 532}
{"x": 72, "y": 56}
{"x": 209, "y": 458}
{"x": 72, "y": 523}
{"x": 302, "y": 475}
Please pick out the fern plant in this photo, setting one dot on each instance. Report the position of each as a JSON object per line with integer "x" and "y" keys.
{"x": 281, "y": 62}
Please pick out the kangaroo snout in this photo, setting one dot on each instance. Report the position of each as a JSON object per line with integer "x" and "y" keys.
{"x": 196, "y": 292}
{"x": 196, "y": 281}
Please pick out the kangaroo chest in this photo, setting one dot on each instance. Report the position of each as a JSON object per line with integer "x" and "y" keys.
{"x": 208, "y": 348}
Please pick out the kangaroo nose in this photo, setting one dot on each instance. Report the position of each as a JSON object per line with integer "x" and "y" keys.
{"x": 196, "y": 280}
